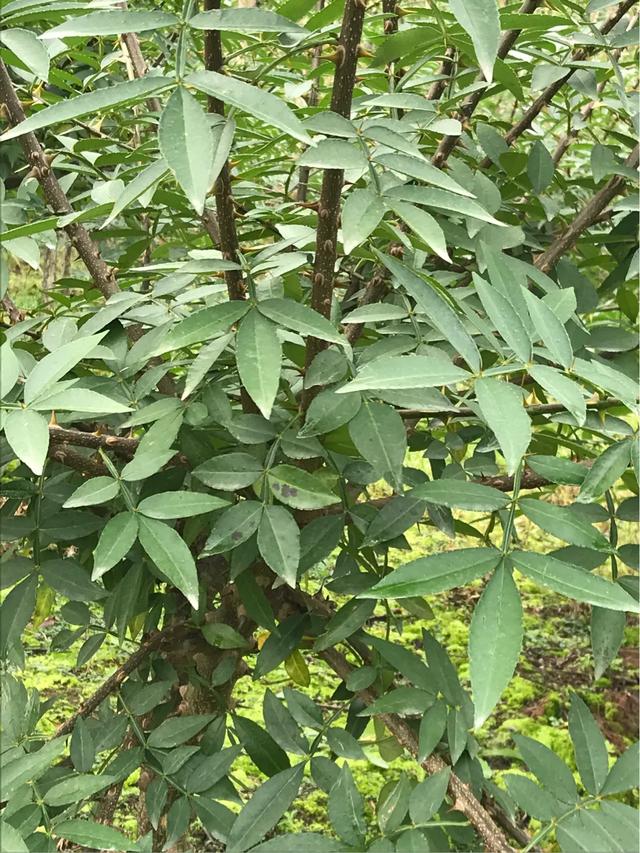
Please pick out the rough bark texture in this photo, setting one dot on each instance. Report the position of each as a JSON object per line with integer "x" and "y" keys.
{"x": 333, "y": 179}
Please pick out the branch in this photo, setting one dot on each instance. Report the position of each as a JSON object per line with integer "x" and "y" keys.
{"x": 312, "y": 101}
{"x": 532, "y": 411}
{"x": 578, "y": 55}
{"x": 465, "y": 800}
{"x": 587, "y": 216}
{"x": 228, "y": 235}
{"x": 170, "y": 633}
{"x": 448, "y": 143}
{"x": 333, "y": 179}
{"x": 102, "y": 274}
{"x": 123, "y": 446}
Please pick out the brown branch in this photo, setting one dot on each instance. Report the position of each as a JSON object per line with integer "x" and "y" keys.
{"x": 464, "y": 800}
{"x": 437, "y": 88}
{"x": 121, "y": 445}
{"x": 585, "y": 219}
{"x": 532, "y": 411}
{"x": 545, "y": 98}
{"x": 102, "y": 274}
{"x": 228, "y": 235}
{"x": 333, "y": 179}
{"x": 448, "y": 143}
{"x": 167, "y": 635}
{"x": 131, "y": 46}
{"x": 88, "y": 465}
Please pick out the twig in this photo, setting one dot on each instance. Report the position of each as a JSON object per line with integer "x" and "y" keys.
{"x": 465, "y": 800}
{"x": 170, "y": 633}
{"x": 101, "y": 273}
{"x": 587, "y": 216}
{"x": 578, "y": 55}
{"x": 532, "y": 411}
{"x": 448, "y": 143}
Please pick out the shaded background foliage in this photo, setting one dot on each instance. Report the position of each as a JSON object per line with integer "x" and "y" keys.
{"x": 338, "y": 315}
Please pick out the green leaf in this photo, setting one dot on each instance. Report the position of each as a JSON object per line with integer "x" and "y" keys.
{"x": 70, "y": 579}
{"x": 299, "y": 488}
{"x": 420, "y": 169}
{"x": 78, "y": 400}
{"x": 12, "y": 839}
{"x": 462, "y": 494}
{"x": 540, "y": 166}
{"x": 235, "y": 526}
{"x": 432, "y": 727}
{"x": 557, "y": 469}
{"x": 29, "y": 767}
{"x": 345, "y": 622}
{"x": 265, "y": 808}
{"x": 186, "y": 143}
{"x": 436, "y": 573}
{"x": 501, "y": 407}
{"x": 439, "y": 312}
{"x": 111, "y": 23}
{"x": 603, "y": 376}
{"x": 262, "y": 749}
{"x": 504, "y": 318}
{"x": 568, "y": 392}
{"x": 624, "y": 774}
{"x": 279, "y": 542}
{"x": 15, "y": 613}
{"x": 299, "y": 318}
{"x": 425, "y": 226}
{"x": 28, "y": 435}
{"x": 408, "y": 372}
{"x": 203, "y": 325}
{"x": 9, "y": 369}
{"x": 56, "y": 364}
{"x": 334, "y": 154}
{"x": 89, "y": 104}
{"x": 223, "y": 636}
{"x": 375, "y": 313}
{"x": 282, "y": 726}
{"x": 590, "y": 747}
{"x": 88, "y": 833}
{"x": 82, "y": 749}
{"x": 255, "y": 601}
{"x": 605, "y": 471}
{"x": 170, "y": 505}
{"x": 428, "y": 796}
{"x": 573, "y": 582}
{"x": 346, "y": 809}
{"x": 361, "y": 214}
{"x": 532, "y": 799}
{"x": 171, "y": 555}
{"x": 203, "y": 362}
{"x": 244, "y": 21}
{"x": 480, "y": 19}
{"x": 257, "y": 102}
{"x": 29, "y": 50}
{"x": 565, "y": 522}
{"x": 229, "y": 472}
{"x": 143, "y": 181}
{"x": 550, "y": 329}
{"x": 116, "y": 539}
{"x": 607, "y": 634}
{"x": 393, "y": 805}
{"x": 551, "y": 771}
{"x": 259, "y": 357}
{"x": 495, "y": 640}
{"x": 78, "y": 787}
{"x": 177, "y": 730}
{"x": 379, "y": 435}
{"x": 401, "y": 513}
{"x": 406, "y": 701}
{"x": 328, "y": 411}
{"x": 404, "y": 661}
{"x": 94, "y": 491}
